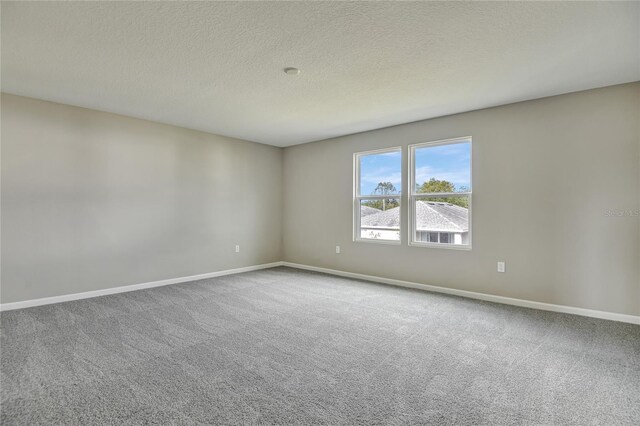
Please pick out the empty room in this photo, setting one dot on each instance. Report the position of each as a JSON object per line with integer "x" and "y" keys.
{"x": 331, "y": 212}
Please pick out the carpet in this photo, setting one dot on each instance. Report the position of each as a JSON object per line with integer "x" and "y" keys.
{"x": 284, "y": 346}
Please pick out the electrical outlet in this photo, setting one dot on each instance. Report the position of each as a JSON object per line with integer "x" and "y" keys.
{"x": 338, "y": 249}
{"x": 237, "y": 249}
{"x": 501, "y": 267}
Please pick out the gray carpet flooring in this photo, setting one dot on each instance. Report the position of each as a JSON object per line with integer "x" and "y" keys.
{"x": 283, "y": 346}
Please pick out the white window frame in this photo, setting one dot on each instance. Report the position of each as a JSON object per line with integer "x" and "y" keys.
{"x": 357, "y": 197}
{"x": 414, "y": 196}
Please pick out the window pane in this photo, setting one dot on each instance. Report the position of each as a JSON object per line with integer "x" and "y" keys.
{"x": 444, "y": 220}
{"x": 443, "y": 168}
{"x": 380, "y": 174}
{"x": 380, "y": 219}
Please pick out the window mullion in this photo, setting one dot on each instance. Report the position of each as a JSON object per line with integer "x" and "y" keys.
{"x": 379, "y": 197}
{"x": 440, "y": 194}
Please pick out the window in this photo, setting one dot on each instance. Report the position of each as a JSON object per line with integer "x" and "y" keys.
{"x": 434, "y": 237}
{"x": 440, "y": 194}
{"x": 377, "y": 192}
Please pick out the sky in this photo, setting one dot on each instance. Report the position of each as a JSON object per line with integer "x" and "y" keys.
{"x": 443, "y": 162}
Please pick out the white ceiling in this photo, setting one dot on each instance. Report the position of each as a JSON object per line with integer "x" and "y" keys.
{"x": 218, "y": 67}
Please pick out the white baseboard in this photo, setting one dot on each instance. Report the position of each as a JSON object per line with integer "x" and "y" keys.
{"x": 126, "y": 288}
{"x": 633, "y": 319}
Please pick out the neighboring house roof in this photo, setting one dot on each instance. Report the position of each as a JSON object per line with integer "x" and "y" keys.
{"x": 430, "y": 216}
{"x": 437, "y": 216}
{"x": 366, "y": 211}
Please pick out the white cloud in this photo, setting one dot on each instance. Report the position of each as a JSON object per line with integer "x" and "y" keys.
{"x": 458, "y": 177}
{"x": 389, "y": 154}
{"x": 380, "y": 176}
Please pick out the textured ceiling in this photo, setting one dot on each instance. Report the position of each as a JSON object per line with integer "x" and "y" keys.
{"x": 218, "y": 66}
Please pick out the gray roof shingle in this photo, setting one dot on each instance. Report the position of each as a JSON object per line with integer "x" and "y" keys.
{"x": 366, "y": 211}
{"x": 430, "y": 216}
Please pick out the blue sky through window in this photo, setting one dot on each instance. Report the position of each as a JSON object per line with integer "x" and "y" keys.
{"x": 443, "y": 162}
{"x": 376, "y": 168}
{"x": 450, "y": 162}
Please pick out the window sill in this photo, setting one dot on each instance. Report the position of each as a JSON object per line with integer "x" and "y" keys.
{"x": 375, "y": 241}
{"x": 441, "y": 246}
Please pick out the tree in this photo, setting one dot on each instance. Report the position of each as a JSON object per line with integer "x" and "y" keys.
{"x": 435, "y": 185}
{"x": 383, "y": 188}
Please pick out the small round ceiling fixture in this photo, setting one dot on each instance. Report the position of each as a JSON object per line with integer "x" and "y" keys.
{"x": 292, "y": 71}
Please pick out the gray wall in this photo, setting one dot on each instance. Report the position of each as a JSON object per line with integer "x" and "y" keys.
{"x": 92, "y": 200}
{"x": 545, "y": 174}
